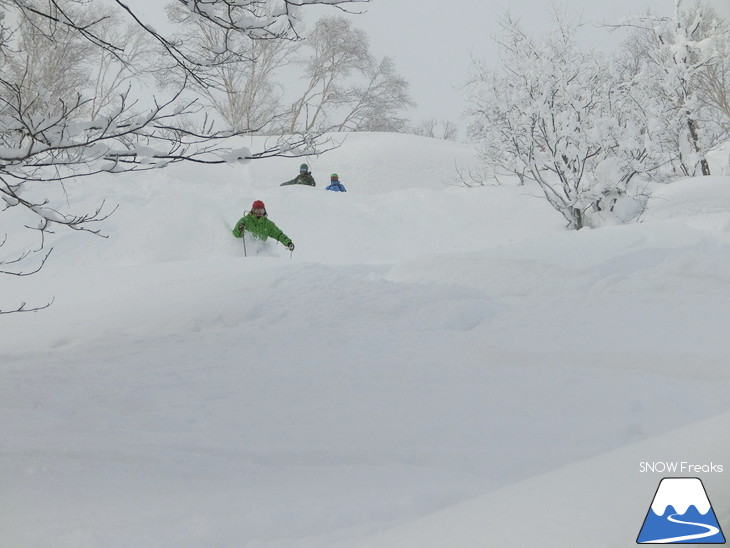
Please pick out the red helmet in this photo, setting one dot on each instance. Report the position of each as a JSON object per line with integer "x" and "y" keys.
{"x": 258, "y": 204}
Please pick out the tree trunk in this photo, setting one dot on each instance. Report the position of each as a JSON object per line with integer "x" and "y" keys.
{"x": 577, "y": 218}
{"x": 695, "y": 139}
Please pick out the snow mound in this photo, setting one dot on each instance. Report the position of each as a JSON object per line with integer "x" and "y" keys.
{"x": 690, "y": 197}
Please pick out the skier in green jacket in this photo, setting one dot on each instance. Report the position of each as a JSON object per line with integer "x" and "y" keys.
{"x": 259, "y": 226}
{"x": 304, "y": 177}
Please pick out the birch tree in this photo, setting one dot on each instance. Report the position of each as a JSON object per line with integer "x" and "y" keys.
{"x": 346, "y": 88}
{"x": 242, "y": 87}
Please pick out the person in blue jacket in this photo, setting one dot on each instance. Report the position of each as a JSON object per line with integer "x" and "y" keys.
{"x": 335, "y": 184}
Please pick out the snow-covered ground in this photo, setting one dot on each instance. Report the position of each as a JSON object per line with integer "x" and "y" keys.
{"x": 433, "y": 366}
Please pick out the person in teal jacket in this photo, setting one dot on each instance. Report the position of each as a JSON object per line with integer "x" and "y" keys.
{"x": 257, "y": 223}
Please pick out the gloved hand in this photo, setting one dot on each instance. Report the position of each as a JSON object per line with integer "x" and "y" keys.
{"x": 241, "y": 227}
{"x": 290, "y": 247}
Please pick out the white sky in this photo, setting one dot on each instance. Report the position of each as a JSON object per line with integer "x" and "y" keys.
{"x": 432, "y": 41}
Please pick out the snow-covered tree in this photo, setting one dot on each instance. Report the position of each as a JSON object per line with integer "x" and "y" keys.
{"x": 552, "y": 113}
{"x": 110, "y": 75}
{"x": 242, "y": 87}
{"x": 678, "y": 71}
{"x": 45, "y": 76}
{"x": 439, "y": 129}
{"x": 49, "y": 135}
{"x": 346, "y": 87}
{"x": 376, "y": 104}
{"x": 714, "y": 88}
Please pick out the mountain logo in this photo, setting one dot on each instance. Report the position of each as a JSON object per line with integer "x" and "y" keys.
{"x": 680, "y": 513}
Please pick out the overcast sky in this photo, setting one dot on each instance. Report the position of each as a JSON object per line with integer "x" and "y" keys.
{"x": 432, "y": 41}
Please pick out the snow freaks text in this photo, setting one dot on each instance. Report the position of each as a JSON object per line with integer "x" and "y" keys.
{"x": 679, "y": 467}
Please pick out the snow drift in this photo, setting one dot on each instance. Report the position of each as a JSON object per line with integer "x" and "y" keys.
{"x": 434, "y": 365}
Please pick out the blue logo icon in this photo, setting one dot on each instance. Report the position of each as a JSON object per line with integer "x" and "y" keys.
{"x": 681, "y": 513}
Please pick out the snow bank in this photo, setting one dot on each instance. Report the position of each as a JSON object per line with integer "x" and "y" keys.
{"x": 426, "y": 348}
{"x": 597, "y": 502}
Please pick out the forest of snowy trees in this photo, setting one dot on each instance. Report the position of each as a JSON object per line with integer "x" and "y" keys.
{"x": 584, "y": 125}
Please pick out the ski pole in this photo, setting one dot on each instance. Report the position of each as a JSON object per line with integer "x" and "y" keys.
{"x": 243, "y": 237}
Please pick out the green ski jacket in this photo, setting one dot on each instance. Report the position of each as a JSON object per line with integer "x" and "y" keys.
{"x": 301, "y": 179}
{"x": 261, "y": 228}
